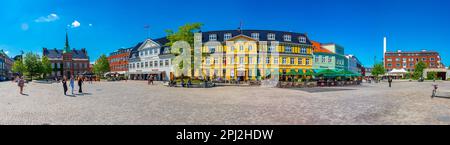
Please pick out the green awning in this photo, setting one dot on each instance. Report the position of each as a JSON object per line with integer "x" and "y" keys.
{"x": 300, "y": 72}
{"x": 309, "y": 72}
{"x": 292, "y": 73}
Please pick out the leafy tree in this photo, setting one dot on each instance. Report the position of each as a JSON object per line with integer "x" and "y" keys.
{"x": 432, "y": 75}
{"x": 418, "y": 71}
{"x": 378, "y": 69}
{"x": 101, "y": 66}
{"x": 32, "y": 64}
{"x": 19, "y": 67}
{"x": 46, "y": 66}
{"x": 185, "y": 33}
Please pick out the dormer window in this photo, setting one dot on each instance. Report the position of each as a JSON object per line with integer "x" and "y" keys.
{"x": 302, "y": 39}
{"x": 212, "y": 37}
{"x": 287, "y": 37}
{"x": 227, "y": 36}
{"x": 255, "y": 36}
{"x": 270, "y": 36}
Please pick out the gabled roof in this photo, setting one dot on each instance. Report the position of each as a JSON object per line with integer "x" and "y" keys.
{"x": 262, "y": 35}
{"x": 322, "y": 50}
{"x": 58, "y": 53}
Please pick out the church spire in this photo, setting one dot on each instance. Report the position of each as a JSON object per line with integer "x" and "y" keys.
{"x": 67, "y": 47}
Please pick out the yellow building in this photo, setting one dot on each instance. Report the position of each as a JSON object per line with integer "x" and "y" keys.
{"x": 253, "y": 54}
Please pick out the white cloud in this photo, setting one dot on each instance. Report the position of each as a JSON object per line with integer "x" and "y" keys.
{"x": 6, "y": 52}
{"x": 24, "y": 26}
{"x": 75, "y": 24}
{"x": 90, "y": 25}
{"x": 50, "y": 18}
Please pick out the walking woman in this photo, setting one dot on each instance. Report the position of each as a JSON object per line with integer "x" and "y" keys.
{"x": 21, "y": 84}
{"x": 72, "y": 83}
{"x": 64, "y": 82}
{"x": 80, "y": 83}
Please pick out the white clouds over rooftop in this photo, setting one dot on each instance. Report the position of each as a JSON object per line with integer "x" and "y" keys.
{"x": 50, "y": 18}
{"x": 75, "y": 24}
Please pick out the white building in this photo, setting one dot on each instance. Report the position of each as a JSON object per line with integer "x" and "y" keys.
{"x": 151, "y": 58}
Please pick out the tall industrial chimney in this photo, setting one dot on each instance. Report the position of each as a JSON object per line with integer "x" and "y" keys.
{"x": 384, "y": 46}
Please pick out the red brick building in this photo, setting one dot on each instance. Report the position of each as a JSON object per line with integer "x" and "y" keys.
{"x": 118, "y": 61}
{"x": 67, "y": 62}
{"x": 408, "y": 60}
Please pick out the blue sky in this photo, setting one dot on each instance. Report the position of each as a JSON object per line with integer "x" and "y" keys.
{"x": 106, "y": 25}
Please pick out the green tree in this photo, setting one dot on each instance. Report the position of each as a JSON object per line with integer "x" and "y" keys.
{"x": 101, "y": 66}
{"x": 19, "y": 67}
{"x": 46, "y": 66}
{"x": 33, "y": 65}
{"x": 432, "y": 75}
{"x": 185, "y": 33}
{"x": 418, "y": 71}
{"x": 378, "y": 69}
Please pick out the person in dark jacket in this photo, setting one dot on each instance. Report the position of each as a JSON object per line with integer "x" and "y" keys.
{"x": 80, "y": 83}
{"x": 64, "y": 82}
{"x": 390, "y": 82}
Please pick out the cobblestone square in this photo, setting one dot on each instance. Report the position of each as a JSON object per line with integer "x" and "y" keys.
{"x": 136, "y": 103}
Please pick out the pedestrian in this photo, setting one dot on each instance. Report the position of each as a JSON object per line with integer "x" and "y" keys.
{"x": 80, "y": 84}
{"x": 21, "y": 84}
{"x": 151, "y": 80}
{"x": 64, "y": 82}
{"x": 390, "y": 82}
{"x": 72, "y": 84}
{"x": 189, "y": 84}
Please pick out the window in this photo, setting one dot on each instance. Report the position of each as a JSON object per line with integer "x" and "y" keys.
{"x": 212, "y": 37}
{"x": 284, "y": 60}
{"x": 208, "y": 61}
{"x": 216, "y": 60}
{"x": 307, "y": 61}
{"x": 232, "y": 60}
{"x": 389, "y": 59}
{"x": 241, "y": 60}
{"x": 300, "y": 61}
{"x": 167, "y": 63}
{"x": 250, "y": 60}
{"x": 324, "y": 59}
{"x": 287, "y": 37}
{"x": 303, "y": 50}
{"x": 389, "y": 65}
{"x": 156, "y": 63}
{"x": 404, "y": 64}
{"x": 329, "y": 60}
{"x": 250, "y": 48}
{"x": 151, "y": 63}
{"x": 267, "y": 60}
{"x": 302, "y": 39}
{"x": 271, "y": 48}
{"x": 404, "y": 59}
{"x": 424, "y": 59}
{"x": 397, "y": 59}
{"x": 161, "y": 63}
{"x": 212, "y": 49}
{"x": 411, "y": 64}
{"x": 255, "y": 36}
{"x": 292, "y": 61}
{"x": 258, "y": 61}
{"x": 270, "y": 36}
{"x": 288, "y": 49}
{"x": 432, "y": 59}
{"x": 316, "y": 59}
{"x": 275, "y": 60}
{"x": 241, "y": 48}
{"x": 398, "y": 64}
{"x": 146, "y": 64}
{"x": 227, "y": 36}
